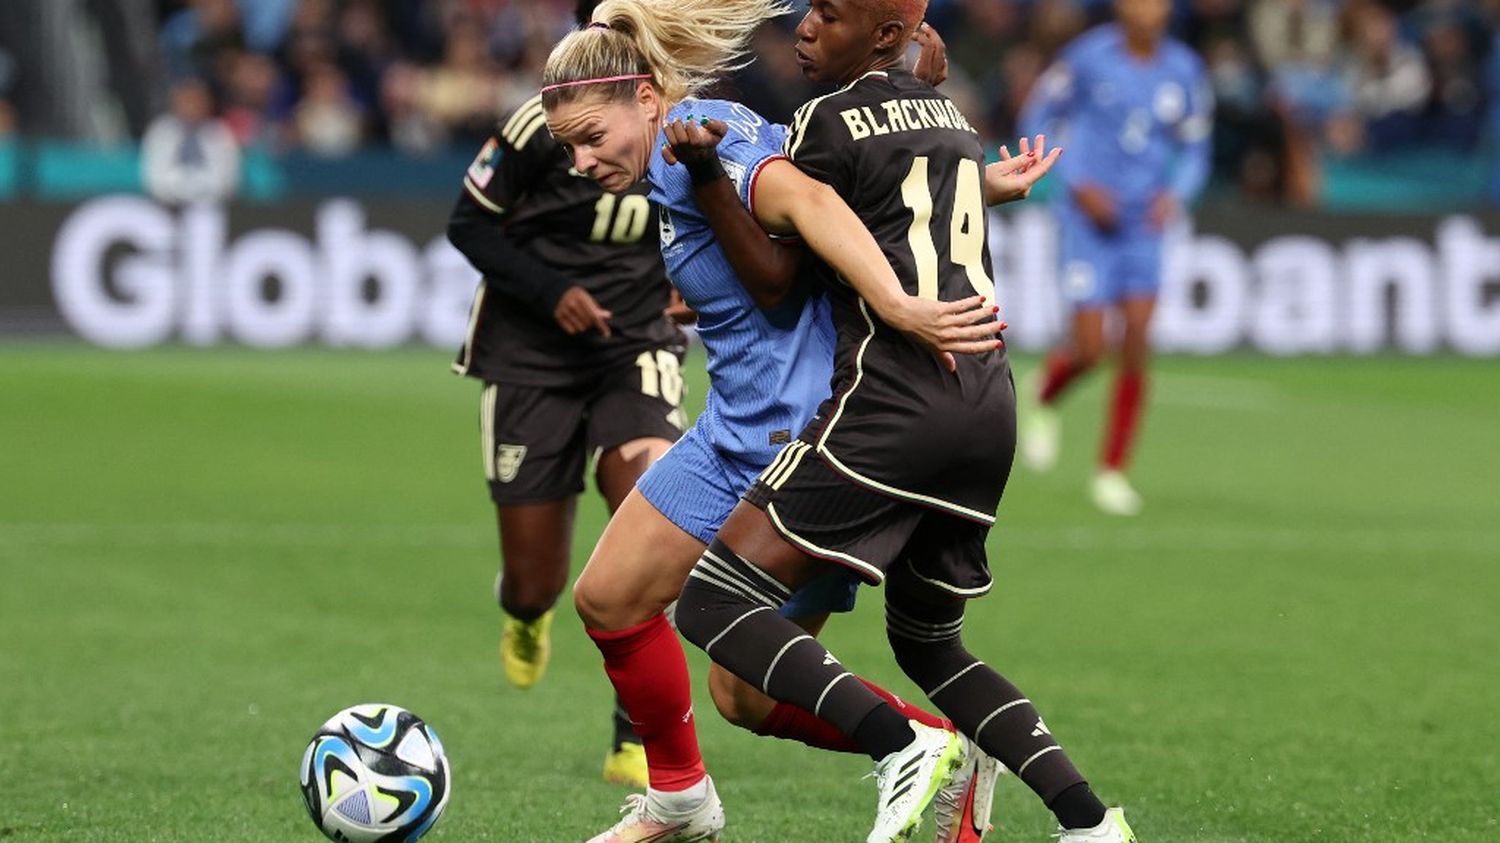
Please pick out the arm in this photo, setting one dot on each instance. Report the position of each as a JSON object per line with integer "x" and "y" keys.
{"x": 504, "y": 173}
{"x": 787, "y": 200}
{"x": 1195, "y": 146}
{"x": 1194, "y": 153}
{"x": 767, "y": 269}
{"x": 476, "y": 231}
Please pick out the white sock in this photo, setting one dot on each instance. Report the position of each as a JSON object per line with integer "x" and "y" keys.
{"x": 679, "y": 801}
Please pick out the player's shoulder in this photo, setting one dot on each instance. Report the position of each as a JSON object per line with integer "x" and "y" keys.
{"x": 744, "y": 122}
{"x": 1181, "y": 57}
{"x": 525, "y": 127}
{"x": 1094, "y": 44}
{"x": 820, "y": 115}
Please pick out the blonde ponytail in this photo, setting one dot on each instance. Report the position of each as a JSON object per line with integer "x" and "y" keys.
{"x": 682, "y": 45}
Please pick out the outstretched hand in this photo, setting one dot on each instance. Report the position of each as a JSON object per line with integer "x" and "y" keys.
{"x": 1011, "y": 178}
{"x": 693, "y": 141}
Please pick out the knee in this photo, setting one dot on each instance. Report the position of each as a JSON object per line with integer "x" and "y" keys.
{"x": 603, "y": 607}
{"x": 1087, "y": 354}
{"x": 528, "y": 597}
{"x": 694, "y": 617}
{"x": 737, "y": 702}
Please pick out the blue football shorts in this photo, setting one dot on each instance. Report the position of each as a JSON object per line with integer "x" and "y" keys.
{"x": 696, "y": 486}
{"x": 1099, "y": 269}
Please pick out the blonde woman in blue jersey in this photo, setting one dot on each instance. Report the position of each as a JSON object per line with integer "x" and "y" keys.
{"x": 610, "y": 91}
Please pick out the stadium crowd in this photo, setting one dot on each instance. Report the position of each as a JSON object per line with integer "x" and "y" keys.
{"x": 1296, "y": 81}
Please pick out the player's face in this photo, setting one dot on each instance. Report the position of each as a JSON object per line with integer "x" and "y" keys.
{"x": 1144, "y": 18}
{"x": 610, "y": 141}
{"x": 835, "y": 39}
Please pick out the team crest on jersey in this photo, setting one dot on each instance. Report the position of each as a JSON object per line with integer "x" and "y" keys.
{"x": 483, "y": 168}
{"x": 508, "y": 460}
{"x": 668, "y": 230}
{"x": 1170, "y": 102}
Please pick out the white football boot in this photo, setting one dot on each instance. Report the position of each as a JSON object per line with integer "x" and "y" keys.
{"x": 1113, "y": 494}
{"x": 1113, "y": 829}
{"x": 1041, "y": 430}
{"x": 910, "y": 777}
{"x": 646, "y": 821}
{"x": 962, "y": 809}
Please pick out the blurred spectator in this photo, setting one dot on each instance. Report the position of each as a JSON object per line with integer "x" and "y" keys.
{"x": 1388, "y": 81}
{"x": 187, "y": 154}
{"x": 1297, "y": 80}
{"x": 328, "y": 121}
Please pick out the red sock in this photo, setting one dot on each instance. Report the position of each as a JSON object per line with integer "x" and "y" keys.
{"x": 1060, "y": 372}
{"x": 649, "y": 672}
{"x": 1124, "y": 414}
{"x": 797, "y": 724}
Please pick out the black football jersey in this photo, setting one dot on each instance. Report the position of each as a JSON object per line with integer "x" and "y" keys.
{"x": 605, "y": 243}
{"x": 909, "y": 164}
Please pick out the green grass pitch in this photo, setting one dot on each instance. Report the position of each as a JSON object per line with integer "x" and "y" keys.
{"x": 203, "y": 554}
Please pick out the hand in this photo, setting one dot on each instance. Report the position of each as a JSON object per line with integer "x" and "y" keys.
{"x": 693, "y": 141}
{"x": 1098, "y": 205}
{"x": 678, "y": 311}
{"x": 932, "y": 60}
{"x": 577, "y": 312}
{"x": 1164, "y": 209}
{"x": 948, "y": 328}
{"x": 1011, "y": 178}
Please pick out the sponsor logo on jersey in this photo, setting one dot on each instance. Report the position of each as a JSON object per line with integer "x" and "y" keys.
{"x": 508, "y": 459}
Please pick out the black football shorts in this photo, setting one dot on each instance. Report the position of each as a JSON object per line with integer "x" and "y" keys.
{"x": 537, "y": 441}
{"x": 831, "y": 517}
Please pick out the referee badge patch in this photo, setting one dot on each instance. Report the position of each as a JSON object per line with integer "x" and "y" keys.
{"x": 508, "y": 460}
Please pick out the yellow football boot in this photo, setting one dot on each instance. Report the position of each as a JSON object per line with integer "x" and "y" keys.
{"x": 626, "y": 764}
{"x": 525, "y": 647}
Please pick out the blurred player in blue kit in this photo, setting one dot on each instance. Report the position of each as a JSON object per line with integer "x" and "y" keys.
{"x": 1136, "y": 111}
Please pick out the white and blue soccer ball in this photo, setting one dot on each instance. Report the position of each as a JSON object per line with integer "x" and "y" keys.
{"x": 375, "y": 774}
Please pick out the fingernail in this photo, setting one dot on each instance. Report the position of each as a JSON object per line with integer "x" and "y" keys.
{"x": 703, "y": 122}
{"x": 981, "y": 299}
{"x": 995, "y": 309}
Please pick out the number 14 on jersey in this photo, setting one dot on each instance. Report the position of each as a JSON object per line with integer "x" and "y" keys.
{"x": 965, "y": 230}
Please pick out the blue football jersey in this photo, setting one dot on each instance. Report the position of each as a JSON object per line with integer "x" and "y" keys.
{"x": 768, "y": 369}
{"x": 1134, "y": 126}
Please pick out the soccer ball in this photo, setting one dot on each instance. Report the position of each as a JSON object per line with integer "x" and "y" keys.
{"x": 375, "y": 774}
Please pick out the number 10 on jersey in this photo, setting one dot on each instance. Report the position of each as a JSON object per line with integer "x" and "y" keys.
{"x": 965, "y": 232}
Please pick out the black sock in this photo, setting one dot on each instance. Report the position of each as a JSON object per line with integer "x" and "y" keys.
{"x": 1078, "y": 807}
{"x": 882, "y": 732}
{"x": 624, "y": 732}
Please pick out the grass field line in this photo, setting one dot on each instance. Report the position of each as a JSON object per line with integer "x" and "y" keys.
{"x": 1228, "y": 537}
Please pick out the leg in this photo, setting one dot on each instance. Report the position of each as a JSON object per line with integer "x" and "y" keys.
{"x": 616, "y": 472}
{"x": 745, "y": 706}
{"x": 1041, "y": 439}
{"x": 535, "y": 546}
{"x": 1082, "y": 353}
{"x": 729, "y": 608}
{"x": 924, "y": 622}
{"x": 636, "y": 570}
{"x": 630, "y": 428}
{"x": 1130, "y": 385}
{"x": 1110, "y": 489}
{"x": 619, "y": 468}
{"x": 532, "y": 441}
